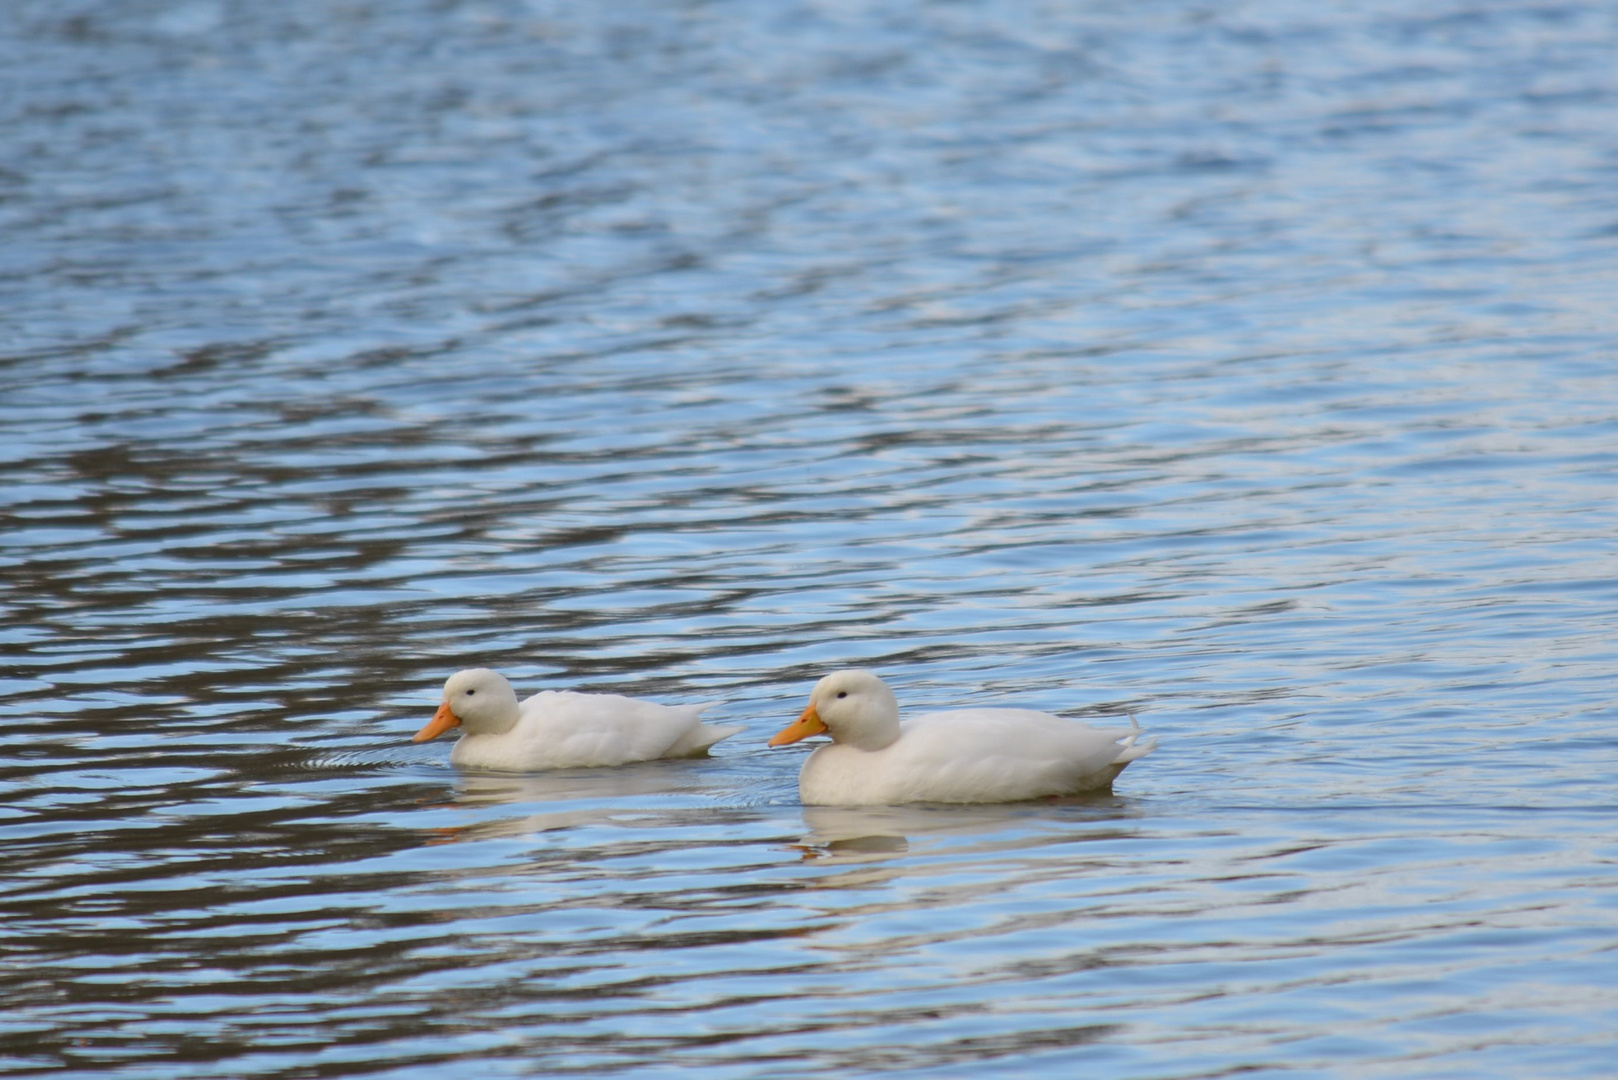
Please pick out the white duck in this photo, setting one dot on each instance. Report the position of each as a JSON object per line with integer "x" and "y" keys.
{"x": 969, "y": 756}
{"x": 562, "y": 729}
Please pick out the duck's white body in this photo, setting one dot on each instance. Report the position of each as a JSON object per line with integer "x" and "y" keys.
{"x": 563, "y": 729}
{"x": 965, "y": 756}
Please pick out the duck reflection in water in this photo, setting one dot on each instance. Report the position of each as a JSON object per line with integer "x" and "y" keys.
{"x": 643, "y": 795}
{"x": 875, "y": 833}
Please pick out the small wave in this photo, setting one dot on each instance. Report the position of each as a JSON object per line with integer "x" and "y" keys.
{"x": 364, "y": 759}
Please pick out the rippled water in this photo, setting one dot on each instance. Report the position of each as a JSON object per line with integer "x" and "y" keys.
{"x": 1249, "y": 368}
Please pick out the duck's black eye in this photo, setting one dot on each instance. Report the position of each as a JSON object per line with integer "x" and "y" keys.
{"x": 469, "y": 693}
{"x": 842, "y": 693}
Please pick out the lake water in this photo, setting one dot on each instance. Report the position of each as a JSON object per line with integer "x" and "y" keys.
{"x": 1249, "y": 368}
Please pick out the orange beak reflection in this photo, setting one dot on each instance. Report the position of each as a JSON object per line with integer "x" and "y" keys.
{"x": 804, "y": 726}
{"x": 442, "y": 721}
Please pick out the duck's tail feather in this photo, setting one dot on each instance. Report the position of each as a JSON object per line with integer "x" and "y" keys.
{"x": 1130, "y": 747}
{"x": 700, "y": 738}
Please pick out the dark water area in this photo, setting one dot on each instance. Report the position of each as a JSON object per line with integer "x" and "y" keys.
{"x": 1249, "y": 369}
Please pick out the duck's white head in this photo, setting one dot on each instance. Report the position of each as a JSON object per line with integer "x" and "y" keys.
{"x": 854, "y": 707}
{"x": 479, "y": 700}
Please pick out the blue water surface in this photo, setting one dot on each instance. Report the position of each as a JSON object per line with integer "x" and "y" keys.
{"x": 1246, "y": 368}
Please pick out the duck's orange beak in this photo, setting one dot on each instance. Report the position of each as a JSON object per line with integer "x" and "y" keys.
{"x": 804, "y": 726}
{"x": 442, "y": 721}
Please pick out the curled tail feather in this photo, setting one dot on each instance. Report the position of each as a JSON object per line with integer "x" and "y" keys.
{"x": 1129, "y": 746}
{"x": 701, "y": 737}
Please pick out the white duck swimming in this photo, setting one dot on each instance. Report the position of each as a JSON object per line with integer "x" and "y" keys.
{"x": 968, "y": 756}
{"x": 562, "y": 729}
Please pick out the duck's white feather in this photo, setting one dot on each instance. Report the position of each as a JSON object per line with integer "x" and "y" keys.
{"x": 563, "y": 729}
{"x": 971, "y": 756}
{"x": 965, "y": 756}
{"x": 569, "y": 730}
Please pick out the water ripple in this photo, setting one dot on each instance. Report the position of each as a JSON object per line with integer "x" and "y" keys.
{"x": 1244, "y": 370}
